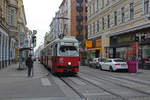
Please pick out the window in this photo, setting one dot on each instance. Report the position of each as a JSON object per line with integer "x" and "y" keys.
{"x": 115, "y": 18}
{"x": 78, "y": 4}
{"x": 146, "y": 3}
{"x": 97, "y": 7}
{"x": 103, "y": 23}
{"x": 94, "y": 28}
{"x": 131, "y": 11}
{"x": 102, "y": 3}
{"x": 108, "y": 21}
{"x": 90, "y": 9}
{"x": 97, "y": 26}
{"x": 107, "y": 2}
{"x": 122, "y": 15}
{"x": 90, "y": 29}
{"x": 86, "y": 6}
{"x": 93, "y": 7}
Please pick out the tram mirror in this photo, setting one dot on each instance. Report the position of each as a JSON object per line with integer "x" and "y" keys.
{"x": 61, "y": 43}
{"x": 76, "y": 44}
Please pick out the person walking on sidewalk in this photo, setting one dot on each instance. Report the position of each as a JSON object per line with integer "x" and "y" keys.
{"x": 29, "y": 64}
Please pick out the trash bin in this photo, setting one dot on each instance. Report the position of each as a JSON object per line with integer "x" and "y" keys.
{"x": 131, "y": 66}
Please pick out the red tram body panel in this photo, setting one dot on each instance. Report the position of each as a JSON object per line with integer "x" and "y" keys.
{"x": 61, "y": 56}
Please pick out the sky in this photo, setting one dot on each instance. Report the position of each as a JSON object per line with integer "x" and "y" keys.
{"x": 39, "y": 14}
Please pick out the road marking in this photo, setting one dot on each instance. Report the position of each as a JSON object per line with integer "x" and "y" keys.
{"x": 45, "y": 82}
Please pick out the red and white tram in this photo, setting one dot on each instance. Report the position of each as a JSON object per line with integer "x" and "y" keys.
{"x": 61, "y": 55}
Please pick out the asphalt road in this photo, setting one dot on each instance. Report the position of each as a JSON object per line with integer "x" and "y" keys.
{"x": 88, "y": 84}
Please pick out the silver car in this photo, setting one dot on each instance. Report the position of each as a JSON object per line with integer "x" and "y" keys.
{"x": 114, "y": 64}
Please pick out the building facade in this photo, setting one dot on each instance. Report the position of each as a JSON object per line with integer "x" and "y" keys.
{"x": 65, "y": 13}
{"x": 13, "y": 30}
{"x": 4, "y": 37}
{"x": 116, "y": 23}
{"x": 79, "y": 24}
{"x": 9, "y": 30}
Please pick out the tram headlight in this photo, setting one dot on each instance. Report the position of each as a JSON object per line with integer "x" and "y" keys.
{"x": 69, "y": 63}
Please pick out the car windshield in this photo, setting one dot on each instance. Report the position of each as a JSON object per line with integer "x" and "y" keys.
{"x": 101, "y": 60}
{"x": 68, "y": 51}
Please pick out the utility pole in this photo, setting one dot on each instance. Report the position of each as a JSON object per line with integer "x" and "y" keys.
{"x": 137, "y": 58}
{"x": 140, "y": 38}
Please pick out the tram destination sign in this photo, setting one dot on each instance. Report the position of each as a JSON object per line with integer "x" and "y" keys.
{"x": 69, "y": 43}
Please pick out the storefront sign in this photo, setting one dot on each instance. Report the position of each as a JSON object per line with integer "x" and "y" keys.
{"x": 98, "y": 43}
{"x": 125, "y": 39}
{"x": 88, "y": 44}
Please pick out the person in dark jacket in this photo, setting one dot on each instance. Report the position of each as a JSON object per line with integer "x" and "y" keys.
{"x": 29, "y": 64}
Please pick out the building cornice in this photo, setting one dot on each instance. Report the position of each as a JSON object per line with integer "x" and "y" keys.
{"x": 133, "y": 28}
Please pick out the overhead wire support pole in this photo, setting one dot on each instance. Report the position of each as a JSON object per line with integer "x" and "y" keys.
{"x": 61, "y": 36}
{"x": 137, "y": 60}
{"x": 137, "y": 43}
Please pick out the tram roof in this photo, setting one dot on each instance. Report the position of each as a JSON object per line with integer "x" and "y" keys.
{"x": 65, "y": 39}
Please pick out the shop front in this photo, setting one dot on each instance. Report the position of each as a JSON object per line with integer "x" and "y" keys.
{"x": 124, "y": 47}
{"x": 121, "y": 46}
{"x": 3, "y": 48}
{"x": 94, "y": 49}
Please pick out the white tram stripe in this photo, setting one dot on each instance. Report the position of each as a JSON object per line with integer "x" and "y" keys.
{"x": 45, "y": 82}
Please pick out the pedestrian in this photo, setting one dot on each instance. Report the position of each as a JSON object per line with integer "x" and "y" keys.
{"x": 29, "y": 64}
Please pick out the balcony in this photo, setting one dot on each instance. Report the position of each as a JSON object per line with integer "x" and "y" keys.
{"x": 79, "y": 28}
{"x": 79, "y": 1}
{"x": 79, "y": 37}
{"x": 79, "y": 9}
{"x": 79, "y": 18}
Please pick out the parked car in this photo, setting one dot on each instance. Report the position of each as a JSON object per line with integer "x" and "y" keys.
{"x": 114, "y": 64}
{"x": 100, "y": 62}
{"x": 94, "y": 62}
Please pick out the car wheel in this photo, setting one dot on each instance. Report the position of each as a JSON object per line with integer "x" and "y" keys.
{"x": 97, "y": 67}
{"x": 110, "y": 69}
{"x": 100, "y": 67}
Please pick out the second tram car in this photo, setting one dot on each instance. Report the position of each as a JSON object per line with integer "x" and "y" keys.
{"x": 61, "y": 55}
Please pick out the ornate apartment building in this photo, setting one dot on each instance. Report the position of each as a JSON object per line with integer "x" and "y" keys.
{"x": 9, "y": 30}
{"x": 113, "y": 25}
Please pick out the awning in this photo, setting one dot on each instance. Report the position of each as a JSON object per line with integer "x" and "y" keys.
{"x": 95, "y": 49}
{"x": 26, "y": 48}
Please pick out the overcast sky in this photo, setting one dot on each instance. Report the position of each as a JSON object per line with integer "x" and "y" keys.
{"x": 39, "y": 14}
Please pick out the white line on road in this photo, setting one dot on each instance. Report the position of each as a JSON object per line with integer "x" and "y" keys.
{"x": 45, "y": 82}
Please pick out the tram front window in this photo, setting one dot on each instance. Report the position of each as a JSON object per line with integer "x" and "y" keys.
{"x": 68, "y": 51}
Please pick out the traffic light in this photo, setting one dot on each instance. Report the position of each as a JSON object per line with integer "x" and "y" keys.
{"x": 137, "y": 38}
{"x": 34, "y": 40}
{"x": 143, "y": 38}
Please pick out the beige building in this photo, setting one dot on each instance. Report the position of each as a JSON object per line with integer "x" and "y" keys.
{"x": 12, "y": 22}
{"x": 4, "y": 36}
{"x": 116, "y": 22}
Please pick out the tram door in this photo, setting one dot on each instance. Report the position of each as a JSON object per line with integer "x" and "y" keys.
{"x": 55, "y": 53}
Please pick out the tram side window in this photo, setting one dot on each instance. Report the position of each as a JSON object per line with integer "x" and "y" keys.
{"x": 49, "y": 51}
{"x": 55, "y": 50}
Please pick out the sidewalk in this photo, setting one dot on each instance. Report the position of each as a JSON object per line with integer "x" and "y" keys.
{"x": 13, "y": 72}
{"x": 15, "y": 85}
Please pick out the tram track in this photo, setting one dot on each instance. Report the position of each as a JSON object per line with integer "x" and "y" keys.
{"x": 78, "y": 93}
{"x": 96, "y": 86}
{"x": 117, "y": 96}
{"x": 104, "y": 78}
{"x": 116, "y": 75}
{"x": 110, "y": 92}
